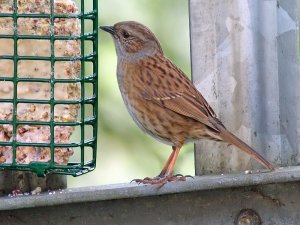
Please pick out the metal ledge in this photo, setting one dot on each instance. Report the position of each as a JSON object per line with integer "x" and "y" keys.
{"x": 120, "y": 191}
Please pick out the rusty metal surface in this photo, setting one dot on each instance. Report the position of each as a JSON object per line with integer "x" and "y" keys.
{"x": 27, "y": 181}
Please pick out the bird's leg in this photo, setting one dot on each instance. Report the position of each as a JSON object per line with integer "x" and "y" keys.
{"x": 166, "y": 173}
{"x": 166, "y": 166}
{"x": 173, "y": 160}
{"x": 169, "y": 176}
{"x": 163, "y": 172}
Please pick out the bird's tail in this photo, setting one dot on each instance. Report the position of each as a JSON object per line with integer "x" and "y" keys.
{"x": 232, "y": 139}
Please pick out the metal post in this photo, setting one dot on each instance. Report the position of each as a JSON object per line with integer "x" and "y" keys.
{"x": 245, "y": 62}
{"x": 25, "y": 182}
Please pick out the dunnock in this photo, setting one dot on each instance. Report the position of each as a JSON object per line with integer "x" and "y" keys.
{"x": 162, "y": 100}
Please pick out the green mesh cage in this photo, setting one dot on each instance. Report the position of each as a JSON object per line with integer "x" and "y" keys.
{"x": 48, "y": 85}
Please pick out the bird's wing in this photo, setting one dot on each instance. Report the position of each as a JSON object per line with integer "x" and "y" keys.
{"x": 183, "y": 99}
{"x": 184, "y": 104}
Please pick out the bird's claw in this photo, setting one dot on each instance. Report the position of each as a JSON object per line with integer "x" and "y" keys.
{"x": 145, "y": 180}
{"x": 161, "y": 180}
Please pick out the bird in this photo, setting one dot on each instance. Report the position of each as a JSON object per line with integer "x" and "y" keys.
{"x": 162, "y": 100}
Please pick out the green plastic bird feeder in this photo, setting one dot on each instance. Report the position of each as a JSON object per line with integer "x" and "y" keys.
{"x": 48, "y": 85}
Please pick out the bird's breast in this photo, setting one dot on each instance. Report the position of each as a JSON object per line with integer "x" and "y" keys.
{"x": 146, "y": 114}
{"x": 158, "y": 121}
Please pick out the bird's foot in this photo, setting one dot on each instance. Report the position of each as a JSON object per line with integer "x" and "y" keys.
{"x": 161, "y": 180}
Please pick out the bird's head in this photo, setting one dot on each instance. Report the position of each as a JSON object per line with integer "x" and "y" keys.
{"x": 133, "y": 40}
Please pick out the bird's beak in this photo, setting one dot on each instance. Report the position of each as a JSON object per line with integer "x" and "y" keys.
{"x": 109, "y": 29}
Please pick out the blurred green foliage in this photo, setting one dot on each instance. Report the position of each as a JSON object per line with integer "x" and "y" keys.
{"x": 124, "y": 151}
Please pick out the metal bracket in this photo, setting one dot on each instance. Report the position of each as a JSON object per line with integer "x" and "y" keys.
{"x": 216, "y": 199}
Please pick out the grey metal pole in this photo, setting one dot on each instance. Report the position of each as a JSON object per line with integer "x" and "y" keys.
{"x": 245, "y": 62}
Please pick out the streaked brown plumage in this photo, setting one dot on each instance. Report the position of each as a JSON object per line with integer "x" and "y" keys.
{"x": 161, "y": 99}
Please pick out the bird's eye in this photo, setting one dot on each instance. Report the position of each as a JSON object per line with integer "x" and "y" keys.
{"x": 125, "y": 34}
